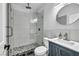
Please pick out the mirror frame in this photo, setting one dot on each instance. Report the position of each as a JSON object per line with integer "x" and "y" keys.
{"x": 65, "y": 15}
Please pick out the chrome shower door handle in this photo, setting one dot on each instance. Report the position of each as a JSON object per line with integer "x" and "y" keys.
{"x": 10, "y": 32}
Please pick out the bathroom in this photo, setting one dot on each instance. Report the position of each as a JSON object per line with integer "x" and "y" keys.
{"x": 33, "y": 28}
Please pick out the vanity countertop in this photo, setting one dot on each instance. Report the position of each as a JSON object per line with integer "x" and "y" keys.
{"x": 68, "y": 44}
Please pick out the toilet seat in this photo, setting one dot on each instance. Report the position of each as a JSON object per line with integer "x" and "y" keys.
{"x": 41, "y": 50}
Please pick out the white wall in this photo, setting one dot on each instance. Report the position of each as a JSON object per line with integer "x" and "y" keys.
{"x": 50, "y": 23}
{"x": 1, "y": 15}
{"x": 2, "y": 28}
{"x": 69, "y": 9}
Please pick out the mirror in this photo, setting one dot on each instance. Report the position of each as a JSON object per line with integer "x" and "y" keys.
{"x": 68, "y": 14}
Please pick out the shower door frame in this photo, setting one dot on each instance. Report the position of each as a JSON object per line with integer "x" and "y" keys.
{"x": 7, "y": 28}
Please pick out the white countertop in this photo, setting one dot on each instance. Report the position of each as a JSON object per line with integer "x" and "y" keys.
{"x": 68, "y": 44}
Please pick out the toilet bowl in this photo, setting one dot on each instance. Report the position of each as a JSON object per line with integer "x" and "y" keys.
{"x": 42, "y": 50}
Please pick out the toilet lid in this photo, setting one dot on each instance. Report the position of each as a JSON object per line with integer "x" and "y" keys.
{"x": 40, "y": 50}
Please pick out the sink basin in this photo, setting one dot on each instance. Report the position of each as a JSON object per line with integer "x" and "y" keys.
{"x": 67, "y": 42}
{"x": 73, "y": 43}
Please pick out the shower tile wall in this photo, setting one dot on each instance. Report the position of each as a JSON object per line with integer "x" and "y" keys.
{"x": 22, "y": 35}
{"x": 21, "y": 30}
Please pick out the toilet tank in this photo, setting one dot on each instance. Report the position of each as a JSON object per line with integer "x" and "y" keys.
{"x": 46, "y": 43}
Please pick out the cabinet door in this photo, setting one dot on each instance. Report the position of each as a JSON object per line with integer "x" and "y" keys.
{"x": 56, "y": 50}
{"x": 66, "y": 52}
{"x": 50, "y": 49}
{"x": 53, "y": 49}
{"x": 76, "y": 53}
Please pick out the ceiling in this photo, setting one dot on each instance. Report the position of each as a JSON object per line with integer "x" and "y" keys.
{"x": 35, "y": 6}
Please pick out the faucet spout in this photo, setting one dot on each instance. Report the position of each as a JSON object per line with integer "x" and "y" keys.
{"x": 66, "y": 36}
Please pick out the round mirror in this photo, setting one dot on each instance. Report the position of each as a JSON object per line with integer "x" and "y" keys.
{"x": 68, "y": 14}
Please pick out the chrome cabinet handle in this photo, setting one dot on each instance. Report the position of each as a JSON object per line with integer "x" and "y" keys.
{"x": 11, "y": 29}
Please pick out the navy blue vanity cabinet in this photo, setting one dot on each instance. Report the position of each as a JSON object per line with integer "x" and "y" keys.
{"x": 57, "y": 50}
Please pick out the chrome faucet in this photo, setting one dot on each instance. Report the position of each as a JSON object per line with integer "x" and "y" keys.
{"x": 60, "y": 36}
{"x": 66, "y": 36}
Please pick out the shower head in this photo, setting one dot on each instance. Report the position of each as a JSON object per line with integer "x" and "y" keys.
{"x": 28, "y": 7}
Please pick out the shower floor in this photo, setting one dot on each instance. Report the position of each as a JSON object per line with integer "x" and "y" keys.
{"x": 26, "y": 53}
{"x": 27, "y": 50}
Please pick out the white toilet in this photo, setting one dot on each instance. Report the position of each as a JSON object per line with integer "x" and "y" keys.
{"x": 42, "y": 50}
